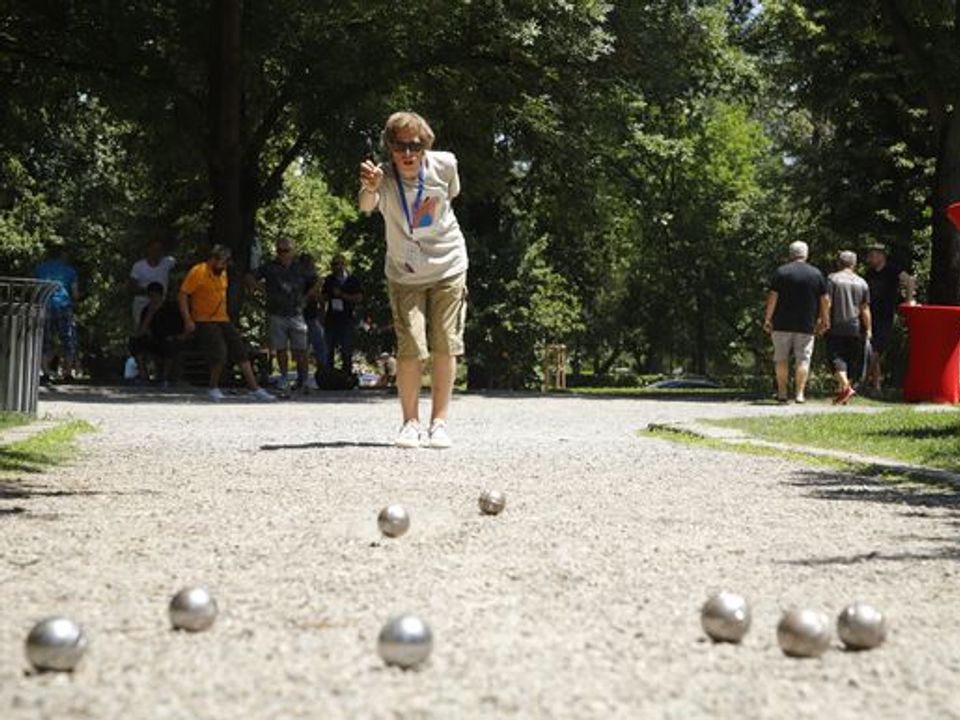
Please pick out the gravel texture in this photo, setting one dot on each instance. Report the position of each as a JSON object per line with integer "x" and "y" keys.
{"x": 581, "y": 600}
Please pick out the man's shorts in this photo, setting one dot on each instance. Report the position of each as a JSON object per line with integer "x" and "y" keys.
{"x": 844, "y": 353}
{"x": 61, "y": 324}
{"x": 220, "y": 342}
{"x": 429, "y": 318}
{"x": 800, "y": 344}
{"x": 288, "y": 331}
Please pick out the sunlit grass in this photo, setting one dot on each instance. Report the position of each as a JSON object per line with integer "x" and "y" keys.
{"x": 904, "y": 434}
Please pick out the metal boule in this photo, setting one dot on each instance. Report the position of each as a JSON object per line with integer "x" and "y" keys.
{"x": 725, "y": 617}
{"x": 405, "y": 641}
{"x": 192, "y": 609}
{"x": 393, "y": 521}
{"x": 861, "y": 627}
{"x": 492, "y": 502}
{"x": 804, "y": 633}
{"x": 56, "y": 643}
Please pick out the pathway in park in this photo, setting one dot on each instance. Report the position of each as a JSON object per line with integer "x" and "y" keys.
{"x": 580, "y": 601}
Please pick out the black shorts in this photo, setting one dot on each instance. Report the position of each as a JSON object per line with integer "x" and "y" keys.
{"x": 845, "y": 353}
{"x": 221, "y": 342}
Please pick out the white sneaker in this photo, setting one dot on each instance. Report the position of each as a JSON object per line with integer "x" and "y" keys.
{"x": 215, "y": 395}
{"x": 409, "y": 436}
{"x": 439, "y": 437}
{"x": 261, "y": 395}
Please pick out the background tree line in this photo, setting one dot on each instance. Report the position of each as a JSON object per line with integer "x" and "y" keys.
{"x": 632, "y": 171}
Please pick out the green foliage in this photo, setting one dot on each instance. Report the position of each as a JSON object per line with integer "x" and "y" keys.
{"x": 631, "y": 171}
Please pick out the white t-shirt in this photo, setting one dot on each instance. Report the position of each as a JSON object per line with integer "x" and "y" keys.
{"x": 436, "y": 250}
{"x": 144, "y": 273}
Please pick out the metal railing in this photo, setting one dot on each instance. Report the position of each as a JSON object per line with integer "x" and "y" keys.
{"x": 23, "y": 315}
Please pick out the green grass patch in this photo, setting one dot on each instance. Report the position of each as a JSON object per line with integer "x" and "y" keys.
{"x": 13, "y": 419}
{"x": 904, "y": 434}
{"x": 863, "y": 470}
{"x": 43, "y": 450}
{"x": 746, "y": 448}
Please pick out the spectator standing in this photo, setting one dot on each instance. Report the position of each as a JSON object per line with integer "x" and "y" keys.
{"x": 886, "y": 281}
{"x": 314, "y": 318}
{"x": 203, "y": 306}
{"x": 286, "y": 282}
{"x": 159, "y": 334}
{"x": 798, "y": 309}
{"x": 154, "y": 268}
{"x": 850, "y": 324}
{"x": 342, "y": 292}
{"x": 426, "y": 266}
{"x": 60, "y": 317}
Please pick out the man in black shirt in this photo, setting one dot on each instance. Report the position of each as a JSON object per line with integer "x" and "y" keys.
{"x": 886, "y": 281}
{"x": 287, "y": 283}
{"x": 342, "y": 292}
{"x": 798, "y": 308}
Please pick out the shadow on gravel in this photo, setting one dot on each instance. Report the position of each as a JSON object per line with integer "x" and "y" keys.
{"x": 335, "y": 444}
{"x": 917, "y": 501}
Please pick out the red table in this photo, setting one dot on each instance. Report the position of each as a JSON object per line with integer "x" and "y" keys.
{"x": 933, "y": 371}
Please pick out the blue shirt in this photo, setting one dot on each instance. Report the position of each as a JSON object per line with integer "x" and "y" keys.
{"x": 62, "y": 273}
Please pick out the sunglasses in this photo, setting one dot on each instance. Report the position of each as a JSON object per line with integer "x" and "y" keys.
{"x": 405, "y": 147}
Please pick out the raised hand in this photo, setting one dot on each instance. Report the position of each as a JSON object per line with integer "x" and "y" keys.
{"x": 371, "y": 175}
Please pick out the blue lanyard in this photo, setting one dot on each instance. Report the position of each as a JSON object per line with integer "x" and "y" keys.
{"x": 403, "y": 196}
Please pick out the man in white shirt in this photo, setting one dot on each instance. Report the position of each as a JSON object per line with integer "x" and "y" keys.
{"x": 154, "y": 268}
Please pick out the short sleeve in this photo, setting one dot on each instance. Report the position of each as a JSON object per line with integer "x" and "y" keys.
{"x": 453, "y": 186}
{"x": 134, "y": 271}
{"x": 192, "y": 280}
{"x": 170, "y": 262}
{"x": 775, "y": 284}
{"x": 824, "y": 287}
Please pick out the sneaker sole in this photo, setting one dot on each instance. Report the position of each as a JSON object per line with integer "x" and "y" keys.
{"x": 404, "y": 445}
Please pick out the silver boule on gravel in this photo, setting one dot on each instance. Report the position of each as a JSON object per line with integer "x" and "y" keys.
{"x": 56, "y": 643}
{"x": 393, "y": 521}
{"x": 804, "y": 633}
{"x": 725, "y": 617}
{"x": 861, "y": 627}
{"x": 405, "y": 641}
{"x": 492, "y": 502}
{"x": 193, "y": 609}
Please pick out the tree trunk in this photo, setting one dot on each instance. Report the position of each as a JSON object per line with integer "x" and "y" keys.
{"x": 945, "y": 261}
{"x": 700, "y": 359}
{"x": 226, "y": 156}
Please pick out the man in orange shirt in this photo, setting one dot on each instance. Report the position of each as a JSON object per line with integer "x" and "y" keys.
{"x": 203, "y": 304}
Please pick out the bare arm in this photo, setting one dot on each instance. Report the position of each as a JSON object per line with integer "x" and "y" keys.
{"x": 866, "y": 317}
{"x": 183, "y": 300}
{"x": 823, "y": 322}
{"x": 768, "y": 312}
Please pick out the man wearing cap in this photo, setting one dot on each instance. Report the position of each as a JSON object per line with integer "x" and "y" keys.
{"x": 798, "y": 308}
{"x": 850, "y": 323}
{"x": 203, "y": 305}
{"x": 886, "y": 281}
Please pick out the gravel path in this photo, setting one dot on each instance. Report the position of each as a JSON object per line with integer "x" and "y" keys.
{"x": 580, "y": 601}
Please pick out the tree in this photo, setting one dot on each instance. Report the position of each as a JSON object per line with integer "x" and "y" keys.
{"x": 881, "y": 81}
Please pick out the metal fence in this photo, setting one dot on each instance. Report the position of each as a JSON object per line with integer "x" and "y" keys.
{"x": 23, "y": 315}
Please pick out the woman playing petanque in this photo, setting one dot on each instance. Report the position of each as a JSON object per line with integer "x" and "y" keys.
{"x": 426, "y": 266}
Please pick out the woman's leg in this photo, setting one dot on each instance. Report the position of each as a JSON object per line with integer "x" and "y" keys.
{"x": 408, "y": 387}
{"x": 442, "y": 379}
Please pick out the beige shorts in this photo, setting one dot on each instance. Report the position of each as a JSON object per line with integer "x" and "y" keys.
{"x": 800, "y": 344}
{"x": 433, "y": 312}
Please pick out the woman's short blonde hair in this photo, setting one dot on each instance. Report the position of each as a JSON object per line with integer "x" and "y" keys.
{"x": 400, "y": 121}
